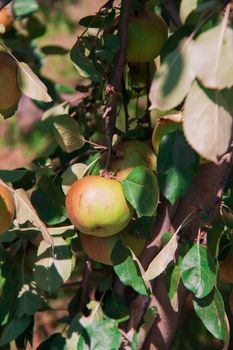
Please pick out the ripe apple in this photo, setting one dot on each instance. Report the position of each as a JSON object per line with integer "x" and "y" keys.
{"x": 9, "y": 91}
{"x": 97, "y": 206}
{"x": 226, "y": 269}
{"x": 130, "y": 154}
{"x": 6, "y": 17}
{"x": 147, "y": 34}
{"x": 7, "y": 209}
{"x": 100, "y": 248}
{"x": 163, "y": 127}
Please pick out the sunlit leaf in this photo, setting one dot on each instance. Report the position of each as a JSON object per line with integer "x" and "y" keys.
{"x": 173, "y": 79}
{"x": 141, "y": 190}
{"x": 162, "y": 259}
{"x": 25, "y": 7}
{"x": 212, "y": 313}
{"x": 207, "y": 122}
{"x": 30, "y": 84}
{"x": 212, "y": 57}
{"x": 186, "y": 7}
{"x": 25, "y": 212}
{"x": 198, "y": 271}
{"x": 67, "y": 134}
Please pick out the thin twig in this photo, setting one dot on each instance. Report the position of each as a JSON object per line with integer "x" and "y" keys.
{"x": 85, "y": 283}
{"x": 171, "y": 8}
{"x": 110, "y": 112}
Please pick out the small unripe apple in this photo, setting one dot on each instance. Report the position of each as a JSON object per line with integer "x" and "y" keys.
{"x": 100, "y": 248}
{"x": 97, "y": 206}
{"x": 7, "y": 209}
{"x": 138, "y": 74}
{"x": 130, "y": 154}
{"x": 147, "y": 34}
{"x": 9, "y": 91}
{"x": 162, "y": 128}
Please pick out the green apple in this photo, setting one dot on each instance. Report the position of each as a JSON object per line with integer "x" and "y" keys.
{"x": 100, "y": 248}
{"x": 97, "y": 206}
{"x": 138, "y": 74}
{"x": 130, "y": 154}
{"x": 147, "y": 34}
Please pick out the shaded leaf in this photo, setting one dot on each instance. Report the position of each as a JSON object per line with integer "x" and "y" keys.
{"x": 67, "y": 134}
{"x": 212, "y": 57}
{"x": 207, "y": 122}
{"x": 55, "y": 342}
{"x": 198, "y": 271}
{"x": 14, "y": 328}
{"x": 174, "y": 284}
{"x": 53, "y": 266}
{"x": 176, "y": 166}
{"x": 30, "y": 84}
{"x": 162, "y": 259}
{"x": 173, "y": 79}
{"x": 84, "y": 65}
{"x": 141, "y": 190}
{"x": 73, "y": 173}
{"x": 186, "y": 7}
{"x": 29, "y": 300}
{"x": 12, "y": 175}
{"x": 211, "y": 312}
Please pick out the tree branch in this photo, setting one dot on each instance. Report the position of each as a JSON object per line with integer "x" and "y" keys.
{"x": 207, "y": 188}
{"x": 110, "y": 112}
{"x": 171, "y": 8}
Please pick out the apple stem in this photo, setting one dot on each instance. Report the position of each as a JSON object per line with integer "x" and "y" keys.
{"x": 112, "y": 90}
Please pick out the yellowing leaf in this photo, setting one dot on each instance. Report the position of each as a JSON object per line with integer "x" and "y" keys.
{"x": 173, "y": 79}
{"x": 25, "y": 212}
{"x": 67, "y": 134}
{"x": 212, "y": 57}
{"x": 160, "y": 262}
{"x": 207, "y": 122}
{"x": 73, "y": 173}
{"x": 30, "y": 84}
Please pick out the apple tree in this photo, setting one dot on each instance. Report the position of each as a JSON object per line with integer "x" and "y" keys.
{"x": 116, "y": 232}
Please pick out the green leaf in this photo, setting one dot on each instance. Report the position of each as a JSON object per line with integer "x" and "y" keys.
{"x": 29, "y": 300}
{"x": 53, "y": 266}
{"x": 162, "y": 259}
{"x": 174, "y": 284}
{"x": 49, "y": 202}
{"x": 212, "y": 57}
{"x": 30, "y": 85}
{"x": 211, "y": 312}
{"x": 142, "y": 191}
{"x": 176, "y": 166}
{"x": 14, "y": 328}
{"x": 84, "y": 65}
{"x": 96, "y": 21}
{"x": 173, "y": 79}
{"x": 25, "y": 7}
{"x": 12, "y": 175}
{"x": 67, "y": 134}
{"x": 186, "y": 7}
{"x": 207, "y": 121}
{"x": 198, "y": 271}
{"x": 126, "y": 269}
{"x": 104, "y": 335}
{"x": 55, "y": 342}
